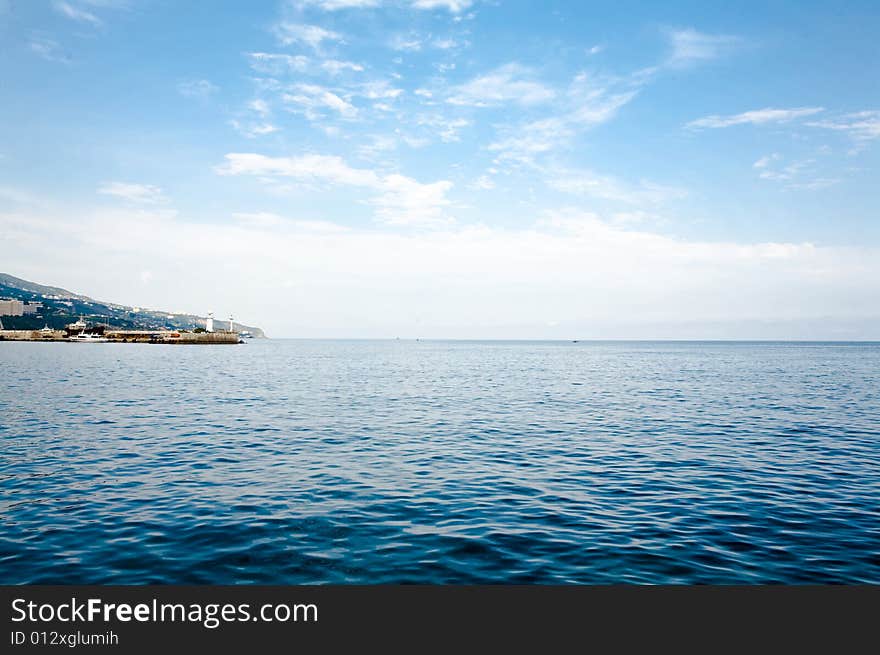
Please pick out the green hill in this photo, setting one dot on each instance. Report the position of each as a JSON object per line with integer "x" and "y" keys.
{"x": 61, "y": 307}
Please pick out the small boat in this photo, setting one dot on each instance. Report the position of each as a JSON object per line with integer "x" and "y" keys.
{"x": 88, "y": 337}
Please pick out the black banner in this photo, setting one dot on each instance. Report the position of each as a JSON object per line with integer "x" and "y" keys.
{"x": 287, "y": 619}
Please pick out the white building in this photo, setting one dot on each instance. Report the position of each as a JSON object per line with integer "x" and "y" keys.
{"x": 11, "y": 308}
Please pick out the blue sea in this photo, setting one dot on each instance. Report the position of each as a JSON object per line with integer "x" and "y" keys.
{"x": 297, "y": 461}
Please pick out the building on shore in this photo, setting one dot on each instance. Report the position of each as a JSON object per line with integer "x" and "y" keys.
{"x": 13, "y": 307}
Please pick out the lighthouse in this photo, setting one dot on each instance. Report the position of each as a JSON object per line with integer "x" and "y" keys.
{"x": 209, "y": 323}
{"x": 230, "y": 325}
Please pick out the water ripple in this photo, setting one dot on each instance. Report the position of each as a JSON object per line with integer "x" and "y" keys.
{"x": 433, "y": 462}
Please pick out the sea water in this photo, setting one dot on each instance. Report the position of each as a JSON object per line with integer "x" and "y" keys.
{"x": 296, "y": 461}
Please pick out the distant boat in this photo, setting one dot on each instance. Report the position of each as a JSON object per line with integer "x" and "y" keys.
{"x": 88, "y": 337}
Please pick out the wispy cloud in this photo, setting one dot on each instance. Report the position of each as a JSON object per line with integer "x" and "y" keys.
{"x": 510, "y": 83}
{"x": 861, "y": 125}
{"x": 17, "y": 196}
{"x": 48, "y": 49}
{"x": 282, "y": 64}
{"x": 483, "y": 183}
{"x": 277, "y": 64}
{"x": 446, "y": 128}
{"x": 379, "y": 90}
{"x": 272, "y": 221}
{"x": 797, "y": 174}
{"x": 404, "y": 201}
{"x": 587, "y": 102}
{"x": 401, "y": 200}
{"x": 313, "y": 100}
{"x": 333, "y": 5}
{"x": 690, "y": 47}
{"x": 455, "y": 6}
{"x": 76, "y": 13}
{"x": 135, "y": 193}
{"x": 335, "y": 67}
{"x": 259, "y": 106}
{"x": 253, "y": 129}
{"x": 311, "y": 35}
{"x": 755, "y": 117}
{"x": 405, "y": 43}
{"x": 197, "y": 89}
{"x": 607, "y": 187}
{"x": 446, "y": 44}
{"x": 766, "y": 160}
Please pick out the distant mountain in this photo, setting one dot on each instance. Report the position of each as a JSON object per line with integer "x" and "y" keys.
{"x": 60, "y": 307}
{"x": 7, "y": 280}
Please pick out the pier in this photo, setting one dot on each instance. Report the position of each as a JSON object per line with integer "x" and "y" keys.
{"x": 128, "y": 336}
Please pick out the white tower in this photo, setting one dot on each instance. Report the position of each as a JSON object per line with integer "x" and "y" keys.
{"x": 209, "y": 324}
{"x": 230, "y": 324}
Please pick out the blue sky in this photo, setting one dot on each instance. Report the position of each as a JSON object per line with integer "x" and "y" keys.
{"x": 451, "y": 167}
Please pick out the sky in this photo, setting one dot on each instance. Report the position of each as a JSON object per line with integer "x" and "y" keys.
{"x": 450, "y": 168}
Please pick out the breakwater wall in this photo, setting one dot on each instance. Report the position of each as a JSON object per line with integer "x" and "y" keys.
{"x": 129, "y": 336}
{"x": 171, "y": 337}
{"x": 32, "y": 335}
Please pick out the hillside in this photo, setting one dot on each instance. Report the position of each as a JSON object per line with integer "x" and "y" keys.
{"x": 61, "y": 307}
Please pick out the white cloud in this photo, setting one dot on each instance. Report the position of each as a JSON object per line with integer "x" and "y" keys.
{"x": 445, "y": 44}
{"x": 766, "y": 160}
{"x": 404, "y": 201}
{"x": 755, "y": 117}
{"x": 861, "y": 125}
{"x": 197, "y": 89}
{"x": 607, "y": 187}
{"x": 333, "y": 5}
{"x": 593, "y": 278}
{"x": 259, "y": 106}
{"x": 378, "y": 145}
{"x": 586, "y": 103}
{"x": 76, "y": 13}
{"x": 48, "y": 49}
{"x": 445, "y": 128}
{"x": 17, "y": 196}
{"x": 272, "y": 221}
{"x": 690, "y": 46}
{"x": 404, "y": 43}
{"x": 136, "y": 193}
{"x": 455, "y": 6}
{"x": 335, "y": 67}
{"x": 379, "y": 90}
{"x": 278, "y": 64}
{"x": 595, "y": 50}
{"x": 313, "y": 99}
{"x": 816, "y": 183}
{"x": 311, "y": 35}
{"x": 400, "y": 200}
{"x": 483, "y": 183}
{"x": 508, "y": 83}
{"x": 798, "y": 174}
{"x": 253, "y": 129}
{"x": 326, "y": 168}
{"x": 784, "y": 173}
